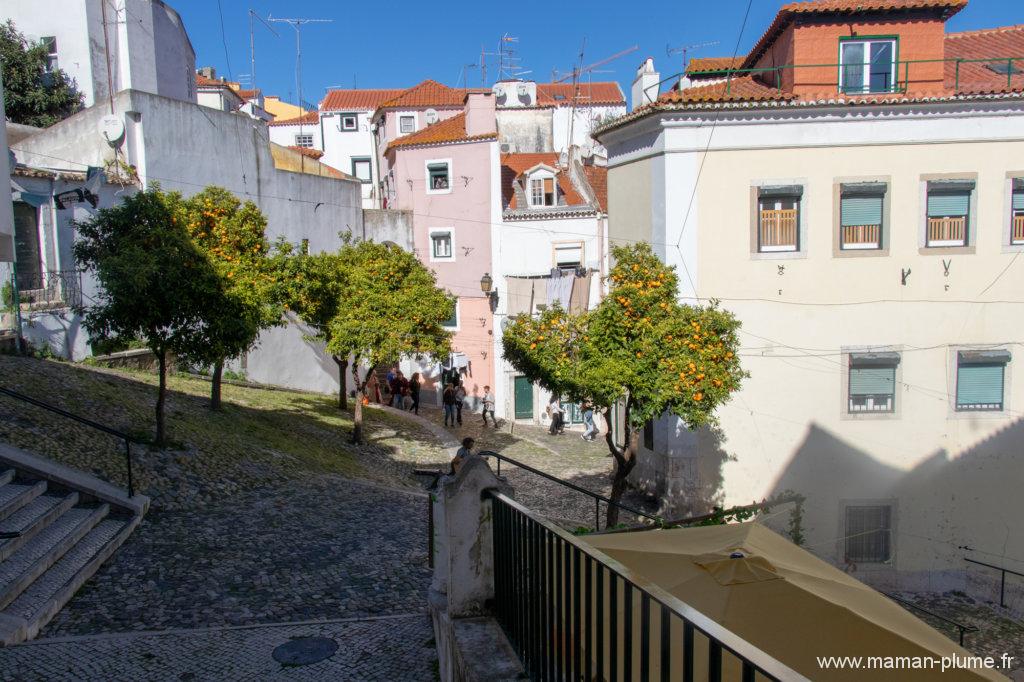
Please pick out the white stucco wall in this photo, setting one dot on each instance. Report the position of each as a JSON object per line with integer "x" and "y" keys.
{"x": 586, "y": 119}
{"x": 285, "y": 135}
{"x": 341, "y": 146}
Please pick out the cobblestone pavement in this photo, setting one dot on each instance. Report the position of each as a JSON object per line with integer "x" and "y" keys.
{"x": 317, "y": 548}
{"x": 390, "y": 648}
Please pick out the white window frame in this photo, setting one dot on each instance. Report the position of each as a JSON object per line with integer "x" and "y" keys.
{"x": 450, "y": 231}
{"x": 541, "y": 176}
{"x": 415, "y": 123}
{"x": 311, "y": 137}
{"x": 369, "y": 165}
{"x": 581, "y": 245}
{"x": 458, "y": 318}
{"x": 866, "y": 65}
{"x": 426, "y": 176}
{"x": 355, "y": 122}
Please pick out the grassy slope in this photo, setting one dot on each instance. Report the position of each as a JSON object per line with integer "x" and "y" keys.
{"x": 261, "y": 435}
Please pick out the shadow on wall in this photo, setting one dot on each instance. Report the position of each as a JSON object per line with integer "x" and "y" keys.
{"x": 943, "y": 509}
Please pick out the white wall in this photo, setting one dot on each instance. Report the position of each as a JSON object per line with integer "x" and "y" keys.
{"x": 586, "y": 119}
{"x": 341, "y": 146}
{"x": 285, "y": 135}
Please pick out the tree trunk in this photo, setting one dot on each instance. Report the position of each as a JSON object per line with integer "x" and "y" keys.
{"x": 357, "y": 413}
{"x": 625, "y": 460}
{"x": 218, "y": 373}
{"x": 161, "y": 396}
{"x": 342, "y": 369}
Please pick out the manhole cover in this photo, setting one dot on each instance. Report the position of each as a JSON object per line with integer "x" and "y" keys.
{"x": 305, "y": 651}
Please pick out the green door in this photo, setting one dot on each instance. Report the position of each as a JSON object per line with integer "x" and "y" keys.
{"x": 524, "y": 398}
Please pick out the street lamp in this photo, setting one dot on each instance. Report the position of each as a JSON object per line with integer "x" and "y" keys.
{"x": 486, "y": 286}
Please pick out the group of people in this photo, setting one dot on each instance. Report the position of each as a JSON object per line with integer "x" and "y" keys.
{"x": 557, "y": 414}
{"x": 453, "y": 399}
{"x": 403, "y": 393}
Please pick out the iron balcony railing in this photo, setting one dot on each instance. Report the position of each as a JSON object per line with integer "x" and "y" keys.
{"x": 572, "y": 612}
{"x": 898, "y": 81}
{"x": 57, "y": 288}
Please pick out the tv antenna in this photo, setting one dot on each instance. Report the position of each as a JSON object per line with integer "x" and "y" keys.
{"x": 297, "y": 24}
{"x": 462, "y": 74}
{"x": 686, "y": 49}
{"x": 509, "y": 67}
{"x": 252, "y": 43}
{"x": 578, "y": 71}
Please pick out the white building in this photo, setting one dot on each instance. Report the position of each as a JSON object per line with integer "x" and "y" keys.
{"x": 863, "y": 224}
{"x": 141, "y": 43}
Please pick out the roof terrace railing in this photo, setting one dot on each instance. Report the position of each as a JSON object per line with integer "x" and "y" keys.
{"x": 1014, "y": 67}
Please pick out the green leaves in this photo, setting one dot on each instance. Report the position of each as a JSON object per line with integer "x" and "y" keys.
{"x": 32, "y": 96}
{"x": 639, "y": 343}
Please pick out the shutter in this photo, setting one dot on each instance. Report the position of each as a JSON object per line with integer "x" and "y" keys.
{"x": 861, "y": 210}
{"x": 948, "y": 204}
{"x": 980, "y": 384}
{"x": 872, "y": 380}
{"x": 792, "y": 191}
{"x": 1018, "y": 201}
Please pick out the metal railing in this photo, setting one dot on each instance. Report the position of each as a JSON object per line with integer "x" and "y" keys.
{"x": 82, "y": 420}
{"x": 773, "y": 75}
{"x": 572, "y": 612}
{"x": 963, "y": 628}
{"x": 597, "y": 497}
{"x": 1002, "y": 578}
{"x": 58, "y": 288}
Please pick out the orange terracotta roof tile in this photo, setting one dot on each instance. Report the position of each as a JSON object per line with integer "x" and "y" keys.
{"x": 597, "y": 176}
{"x": 248, "y": 94}
{"x": 714, "y": 64}
{"x": 361, "y": 100}
{"x": 737, "y": 89}
{"x": 590, "y": 93}
{"x": 429, "y": 93}
{"x": 309, "y": 118}
{"x": 987, "y": 44}
{"x": 788, "y": 13}
{"x": 449, "y": 130}
{"x": 204, "y": 82}
{"x": 513, "y": 166}
{"x": 307, "y": 151}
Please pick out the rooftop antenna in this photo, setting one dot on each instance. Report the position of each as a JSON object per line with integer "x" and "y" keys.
{"x": 578, "y": 71}
{"x": 508, "y": 63}
{"x": 462, "y": 75}
{"x": 686, "y": 49}
{"x": 252, "y": 42}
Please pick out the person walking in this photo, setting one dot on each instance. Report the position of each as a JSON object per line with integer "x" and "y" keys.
{"x": 555, "y": 410}
{"x": 590, "y": 432}
{"x": 460, "y": 399}
{"x": 448, "y": 401}
{"x": 414, "y": 393}
{"x": 488, "y": 401}
{"x": 403, "y": 391}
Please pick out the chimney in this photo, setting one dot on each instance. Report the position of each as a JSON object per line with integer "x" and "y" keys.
{"x": 481, "y": 117}
{"x": 208, "y": 72}
{"x": 645, "y": 85}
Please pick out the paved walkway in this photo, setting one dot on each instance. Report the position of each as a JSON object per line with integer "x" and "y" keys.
{"x": 391, "y": 648}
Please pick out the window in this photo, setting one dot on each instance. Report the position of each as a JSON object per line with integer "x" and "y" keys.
{"x": 27, "y": 249}
{"x": 949, "y": 208}
{"x": 860, "y": 215}
{"x": 452, "y": 323}
{"x": 872, "y": 385}
{"x": 980, "y": 377}
{"x": 778, "y": 219}
{"x": 50, "y": 43}
{"x": 867, "y": 65}
{"x": 1006, "y": 68}
{"x": 361, "y": 168}
{"x": 869, "y": 533}
{"x": 542, "y": 192}
{"x": 441, "y": 245}
{"x": 438, "y": 176}
{"x": 1017, "y": 212}
{"x": 349, "y": 122}
{"x": 407, "y": 124}
{"x": 569, "y": 255}
{"x": 304, "y": 141}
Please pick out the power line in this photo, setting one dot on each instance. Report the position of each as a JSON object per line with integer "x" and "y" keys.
{"x": 224, "y": 39}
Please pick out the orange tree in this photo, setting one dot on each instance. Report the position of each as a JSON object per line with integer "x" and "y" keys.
{"x": 232, "y": 236}
{"x": 639, "y": 348}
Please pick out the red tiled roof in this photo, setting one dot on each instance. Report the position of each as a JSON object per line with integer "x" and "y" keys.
{"x": 449, "y": 130}
{"x": 248, "y": 94}
{"x": 513, "y": 166}
{"x": 714, "y": 64}
{"x": 427, "y": 94}
{"x": 360, "y": 100}
{"x": 787, "y": 13}
{"x": 307, "y": 151}
{"x": 590, "y": 93}
{"x": 204, "y": 82}
{"x": 309, "y": 118}
{"x": 736, "y": 89}
{"x": 976, "y": 77}
{"x": 597, "y": 176}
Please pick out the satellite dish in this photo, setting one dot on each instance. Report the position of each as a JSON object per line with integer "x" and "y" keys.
{"x": 112, "y": 129}
{"x": 431, "y": 116}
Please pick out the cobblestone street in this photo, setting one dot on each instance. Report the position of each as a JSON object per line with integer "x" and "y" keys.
{"x": 391, "y": 648}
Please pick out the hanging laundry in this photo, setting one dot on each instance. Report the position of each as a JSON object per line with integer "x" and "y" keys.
{"x": 520, "y": 295}
{"x": 580, "y": 299}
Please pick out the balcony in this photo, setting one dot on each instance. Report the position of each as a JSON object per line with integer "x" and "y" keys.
{"x": 947, "y": 231}
{"x": 1018, "y": 228}
{"x": 862, "y": 237}
{"x": 779, "y": 230}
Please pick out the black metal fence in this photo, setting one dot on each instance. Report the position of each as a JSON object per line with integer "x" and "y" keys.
{"x": 58, "y": 288}
{"x": 572, "y": 612}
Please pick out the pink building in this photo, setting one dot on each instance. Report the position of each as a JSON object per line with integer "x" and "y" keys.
{"x": 446, "y": 173}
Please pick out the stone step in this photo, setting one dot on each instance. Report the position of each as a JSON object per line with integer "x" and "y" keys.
{"x": 43, "y": 550}
{"x": 32, "y": 518}
{"x": 54, "y": 588}
{"x": 14, "y": 497}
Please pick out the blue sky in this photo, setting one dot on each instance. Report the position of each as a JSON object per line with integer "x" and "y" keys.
{"x": 398, "y": 44}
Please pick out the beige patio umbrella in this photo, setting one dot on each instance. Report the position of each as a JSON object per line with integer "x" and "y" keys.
{"x": 783, "y": 600}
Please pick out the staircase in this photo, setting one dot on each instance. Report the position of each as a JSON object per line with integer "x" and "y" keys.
{"x": 57, "y": 527}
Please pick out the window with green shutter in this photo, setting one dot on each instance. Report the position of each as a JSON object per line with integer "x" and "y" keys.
{"x": 1017, "y": 212}
{"x": 949, "y": 209}
{"x": 860, "y": 215}
{"x": 980, "y": 378}
{"x": 872, "y": 382}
